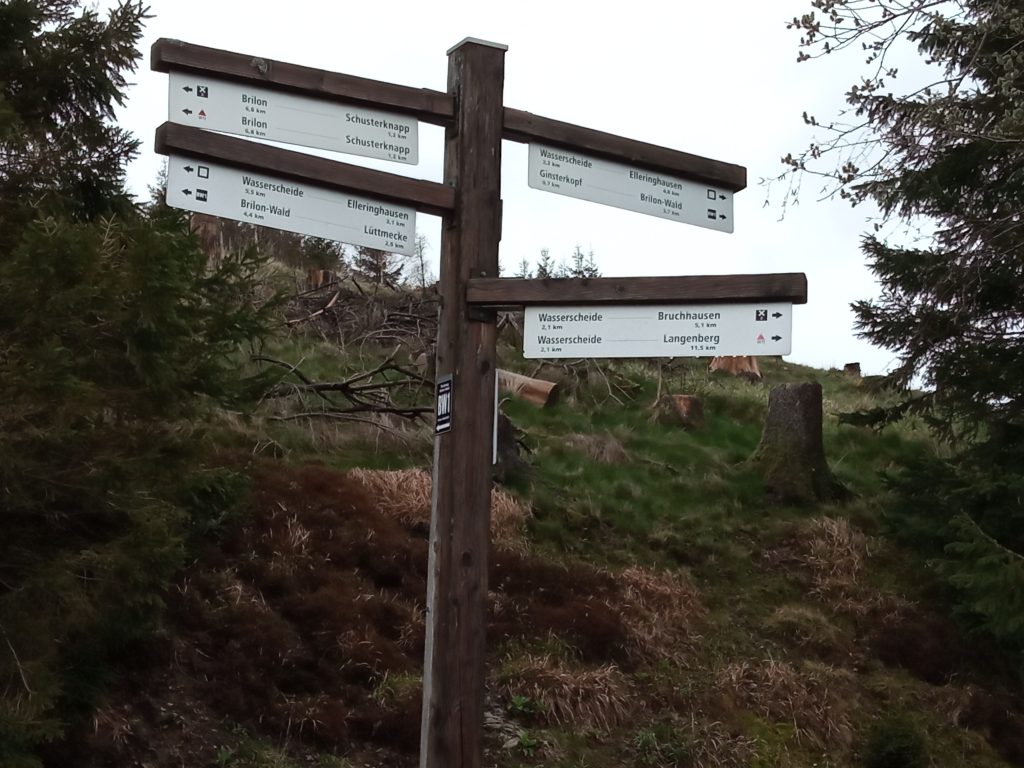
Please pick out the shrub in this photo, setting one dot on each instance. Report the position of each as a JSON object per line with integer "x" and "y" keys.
{"x": 895, "y": 742}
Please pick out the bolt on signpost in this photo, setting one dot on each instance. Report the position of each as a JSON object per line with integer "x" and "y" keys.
{"x": 234, "y": 177}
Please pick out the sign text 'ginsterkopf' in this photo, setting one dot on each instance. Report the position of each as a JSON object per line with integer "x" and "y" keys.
{"x": 574, "y": 174}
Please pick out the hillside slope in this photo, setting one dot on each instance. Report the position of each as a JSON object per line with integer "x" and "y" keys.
{"x": 648, "y": 605}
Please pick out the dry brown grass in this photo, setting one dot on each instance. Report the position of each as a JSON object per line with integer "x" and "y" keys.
{"x": 660, "y": 611}
{"x": 597, "y": 698}
{"x": 831, "y": 555}
{"x": 809, "y": 628}
{"x": 995, "y": 716}
{"x": 404, "y": 495}
{"x": 814, "y": 699}
{"x": 604, "y": 449}
{"x": 112, "y": 726}
{"x": 951, "y": 702}
{"x": 721, "y": 747}
{"x": 709, "y": 744}
{"x": 236, "y": 592}
{"x": 835, "y": 553}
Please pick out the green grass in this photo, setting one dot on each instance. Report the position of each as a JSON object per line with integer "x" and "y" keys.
{"x": 689, "y": 501}
{"x": 249, "y": 752}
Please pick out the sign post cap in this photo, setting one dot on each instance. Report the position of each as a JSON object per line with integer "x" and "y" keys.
{"x": 477, "y": 41}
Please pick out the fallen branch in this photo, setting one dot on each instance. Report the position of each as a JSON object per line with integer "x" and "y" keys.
{"x": 363, "y": 394}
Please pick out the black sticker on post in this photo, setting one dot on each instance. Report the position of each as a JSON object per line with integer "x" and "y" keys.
{"x": 443, "y": 411}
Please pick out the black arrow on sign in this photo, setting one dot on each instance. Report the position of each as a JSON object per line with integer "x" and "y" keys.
{"x": 186, "y": 191}
{"x": 721, "y": 197}
{"x": 776, "y": 315}
{"x": 776, "y": 338}
{"x": 189, "y": 169}
{"x": 187, "y": 89}
{"x": 721, "y": 215}
{"x": 187, "y": 111}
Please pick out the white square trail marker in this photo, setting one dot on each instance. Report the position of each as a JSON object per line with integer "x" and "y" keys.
{"x": 574, "y": 174}
{"x": 261, "y": 113}
{"x": 687, "y": 330}
{"x": 271, "y": 201}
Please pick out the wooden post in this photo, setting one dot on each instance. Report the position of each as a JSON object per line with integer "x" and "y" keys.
{"x": 453, "y": 670}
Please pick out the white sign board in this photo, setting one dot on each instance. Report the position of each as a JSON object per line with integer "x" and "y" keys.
{"x": 260, "y": 113}
{"x": 687, "y": 330}
{"x": 624, "y": 186}
{"x": 270, "y": 201}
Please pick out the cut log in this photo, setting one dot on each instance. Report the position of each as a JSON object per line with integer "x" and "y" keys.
{"x": 426, "y": 361}
{"x": 535, "y": 391}
{"x": 791, "y": 454}
{"x": 686, "y": 411}
{"x": 744, "y": 366}
{"x": 318, "y": 278}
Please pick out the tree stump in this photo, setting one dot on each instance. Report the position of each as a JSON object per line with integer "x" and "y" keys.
{"x": 686, "y": 411}
{"x": 743, "y": 366}
{"x": 791, "y": 454}
{"x": 510, "y": 461}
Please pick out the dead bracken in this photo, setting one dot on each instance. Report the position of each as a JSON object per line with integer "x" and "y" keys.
{"x": 404, "y": 495}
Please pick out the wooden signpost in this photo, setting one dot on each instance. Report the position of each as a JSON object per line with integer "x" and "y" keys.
{"x": 256, "y": 183}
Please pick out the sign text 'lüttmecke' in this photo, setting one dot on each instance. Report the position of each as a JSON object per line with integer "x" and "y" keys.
{"x": 270, "y": 201}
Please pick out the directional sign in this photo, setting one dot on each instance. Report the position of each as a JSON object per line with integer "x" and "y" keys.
{"x": 260, "y": 113}
{"x": 688, "y": 330}
{"x": 624, "y": 186}
{"x": 270, "y": 201}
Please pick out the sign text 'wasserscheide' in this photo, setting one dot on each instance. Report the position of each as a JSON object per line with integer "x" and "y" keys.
{"x": 272, "y": 201}
{"x": 687, "y": 330}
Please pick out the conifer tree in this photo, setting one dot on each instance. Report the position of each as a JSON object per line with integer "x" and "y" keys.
{"x": 319, "y": 253}
{"x": 583, "y": 265}
{"x": 378, "y": 267}
{"x": 949, "y": 154}
{"x": 523, "y": 270}
{"x": 114, "y": 331}
{"x": 545, "y": 265}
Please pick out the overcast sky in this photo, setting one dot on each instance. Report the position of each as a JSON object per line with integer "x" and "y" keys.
{"x": 718, "y": 79}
